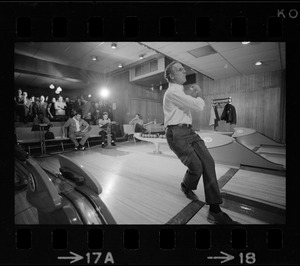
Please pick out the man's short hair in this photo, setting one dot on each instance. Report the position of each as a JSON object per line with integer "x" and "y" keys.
{"x": 105, "y": 113}
{"x": 169, "y": 70}
{"x": 78, "y": 113}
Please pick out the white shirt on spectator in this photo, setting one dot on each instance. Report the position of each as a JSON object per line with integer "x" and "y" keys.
{"x": 59, "y": 106}
{"x": 77, "y": 124}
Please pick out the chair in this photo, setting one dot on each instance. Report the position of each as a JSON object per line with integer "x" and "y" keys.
{"x": 128, "y": 130}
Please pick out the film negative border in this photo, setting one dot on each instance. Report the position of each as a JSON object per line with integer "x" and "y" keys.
{"x": 156, "y": 244}
{"x": 131, "y": 21}
{"x": 138, "y": 244}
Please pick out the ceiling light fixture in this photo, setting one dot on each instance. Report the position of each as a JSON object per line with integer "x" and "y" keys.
{"x": 245, "y": 42}
{"x": 258, "y": 63}
{"x": 94, "y": 58}
{"x": 113, "y": 45}
{"x": 120, "y": 65}
{"x": 141, "y": 56}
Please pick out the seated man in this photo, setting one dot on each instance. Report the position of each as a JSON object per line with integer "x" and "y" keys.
{"x": 138, "y": 123}
{"x": 41, "y": 119}
{"x": 103, "y": 132}
{"x": 77, "y": 128}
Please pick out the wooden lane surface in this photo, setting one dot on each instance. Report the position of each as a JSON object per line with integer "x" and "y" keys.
{"x": 265, "y": 188}
{"x": 275, "y": 158}
{"x": 138, "y": 188}
{"x": 201, "y": 217}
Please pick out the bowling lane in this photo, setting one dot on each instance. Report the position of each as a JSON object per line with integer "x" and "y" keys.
{"x": 138, "y": 188}
{"x": 265, "y": 188}
{"x": 201, "y": 217}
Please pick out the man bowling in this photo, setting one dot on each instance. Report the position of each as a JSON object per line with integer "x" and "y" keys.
{"x": 187, "y": 144}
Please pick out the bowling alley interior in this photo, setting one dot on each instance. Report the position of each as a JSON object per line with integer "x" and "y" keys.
{"x": 90, "y": 132}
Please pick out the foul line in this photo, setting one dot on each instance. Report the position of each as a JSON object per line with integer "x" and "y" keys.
{"x": 189, "y": 211}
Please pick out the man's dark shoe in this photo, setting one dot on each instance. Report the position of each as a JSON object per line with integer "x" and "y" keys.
{"x": 76, "y": 148}
{"x": 103, "y": 145}
{"x": 220, "y": 218}
{"x": 113, "y": 144}
{"x": 189, "y": 193}
{"x": 82, "y": 148}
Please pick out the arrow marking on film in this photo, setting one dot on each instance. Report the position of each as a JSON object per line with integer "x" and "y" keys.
{"x": 227, "y": 257}
{"x": 74, "y": 259}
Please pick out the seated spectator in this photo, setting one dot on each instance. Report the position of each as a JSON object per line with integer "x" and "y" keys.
{"x": 138, "y": 123}
{"x": 41, "y": 119}
{"x": 77, "y": 128}
{"x": 103, "y": 131}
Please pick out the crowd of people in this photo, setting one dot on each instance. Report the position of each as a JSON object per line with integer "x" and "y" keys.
{"x": 58, "y": 108}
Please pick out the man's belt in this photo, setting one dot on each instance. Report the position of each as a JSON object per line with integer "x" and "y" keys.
{"x": 181, "y": 125}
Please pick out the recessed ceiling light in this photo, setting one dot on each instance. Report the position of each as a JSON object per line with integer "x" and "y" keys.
{"x": 120, "y": 65}
{"x": 141, "y": 56}
{"x": 258, "y": 63}
{"x": 94, "y": 58}
{"x": 113, "y": 45}
{"x": 245, "y": 42}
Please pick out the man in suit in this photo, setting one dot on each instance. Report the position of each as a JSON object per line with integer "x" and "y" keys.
{"x": 77, "y": 128}
{"x": 187, "y": 145}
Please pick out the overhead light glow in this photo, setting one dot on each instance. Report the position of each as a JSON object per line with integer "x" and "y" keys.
{"x": 90, "y": 95}
{"x": 113, "y": 45}
{"x": 104, "y": 93}
{"x": 59, "y": 89}
{"x": 52, "y": 87}
{"x": 120, "y": 65}
{"x": 245, "y": 42}
{"x": 94, "y": 58}
{"x": 141, "y": 56}
{"x": 258, "y": 63}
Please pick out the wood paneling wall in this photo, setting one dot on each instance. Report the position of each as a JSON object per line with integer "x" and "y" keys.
{"x": 131, "y": 99}
{"x": 257, "y": 98}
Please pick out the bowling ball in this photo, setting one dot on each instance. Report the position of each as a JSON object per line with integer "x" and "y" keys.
{"x": 194, "y": 91}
